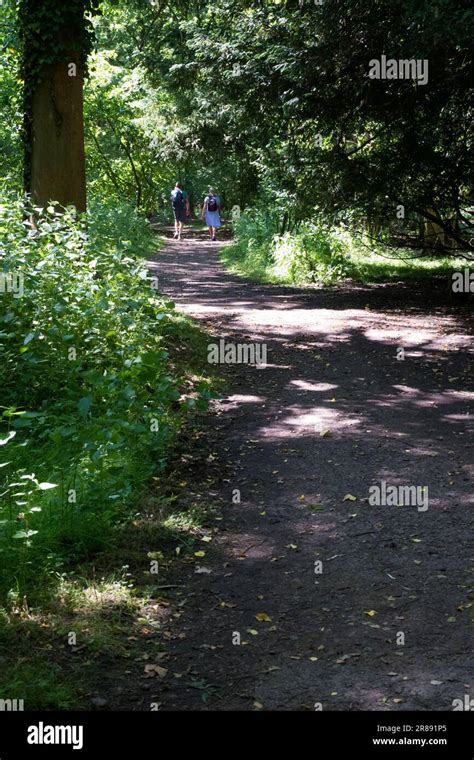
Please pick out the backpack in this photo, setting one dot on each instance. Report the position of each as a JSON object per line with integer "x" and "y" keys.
{"x": 177, "y": 198}
{"x": 211, "y": 203}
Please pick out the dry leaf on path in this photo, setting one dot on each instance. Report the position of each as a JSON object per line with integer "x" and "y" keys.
{"x": 155, "y": 670}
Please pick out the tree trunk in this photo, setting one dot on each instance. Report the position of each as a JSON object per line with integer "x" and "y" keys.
{"x": 57, "y": 136}
{"x": 433, "y": 234}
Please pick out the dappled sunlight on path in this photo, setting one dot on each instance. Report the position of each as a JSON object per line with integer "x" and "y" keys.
{"x": 333, "y": 413}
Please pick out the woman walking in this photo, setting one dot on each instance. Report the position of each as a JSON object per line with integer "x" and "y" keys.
{"x": 211, "y": 212}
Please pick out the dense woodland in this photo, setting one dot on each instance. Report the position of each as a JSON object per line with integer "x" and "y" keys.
{"x": 324, "y": 171}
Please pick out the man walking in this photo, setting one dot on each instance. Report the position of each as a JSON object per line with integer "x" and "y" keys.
{"x": 179, "y": 209}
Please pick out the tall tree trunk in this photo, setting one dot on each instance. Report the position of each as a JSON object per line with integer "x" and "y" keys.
{"x": 57, "y": 136}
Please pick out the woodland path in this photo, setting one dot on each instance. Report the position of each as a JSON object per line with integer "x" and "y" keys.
{"x": 331, "y": 638}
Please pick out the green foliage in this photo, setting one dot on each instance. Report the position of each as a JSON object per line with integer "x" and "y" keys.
{"x": 10, "y": 100}
{"x": 271, "y": 86}
{"x": 263, "y": 99}
{"x": 89, "y": 399}
{"x": 312, "y": 254}
{"x": 145, "y": 127}
{"x": 317, "y": 254}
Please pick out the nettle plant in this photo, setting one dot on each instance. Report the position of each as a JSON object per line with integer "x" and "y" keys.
{"x": 88, "y": 396}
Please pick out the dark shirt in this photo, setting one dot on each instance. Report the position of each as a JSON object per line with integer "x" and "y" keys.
{"x": 177, "y": 198}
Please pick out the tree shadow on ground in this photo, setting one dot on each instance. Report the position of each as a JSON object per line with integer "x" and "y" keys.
{"x": 333, "y": 413}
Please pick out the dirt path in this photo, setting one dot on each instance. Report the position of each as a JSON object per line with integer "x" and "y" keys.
{"x": 389, "y": 573}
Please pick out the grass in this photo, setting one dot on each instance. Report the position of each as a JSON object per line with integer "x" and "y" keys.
{"x": 254, "y": 269}
{"x": 94, "y": 624}
{"x": 375, "y": 267}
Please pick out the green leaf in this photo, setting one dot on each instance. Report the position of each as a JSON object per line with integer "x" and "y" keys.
{"x": 10, "y": 435}
{"x": 24, "y": 533}
{"x": 84, "y": 405}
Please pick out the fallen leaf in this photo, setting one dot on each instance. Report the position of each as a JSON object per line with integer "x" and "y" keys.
{"x": 325, "y": 433}
{"x": 349, "y": 497}
{"x": 155, "y": 670}
{"x": 371, "y": 613}
{"x": 263, "y": 617}
{"x": 200, "y": 554}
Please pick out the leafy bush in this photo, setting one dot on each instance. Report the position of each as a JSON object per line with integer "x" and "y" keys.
{"x": 254, "y": 231}
{"x": 89, "y": 400}
{"x": 312, "y": 254}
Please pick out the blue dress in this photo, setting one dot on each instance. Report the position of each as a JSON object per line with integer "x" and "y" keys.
{"x": 213, "y": 219}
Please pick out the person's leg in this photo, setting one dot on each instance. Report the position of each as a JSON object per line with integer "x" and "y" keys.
{"x": 210, "y": 232}
{"x": 180, "y": 229}
{"x": 175, "y": 225}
